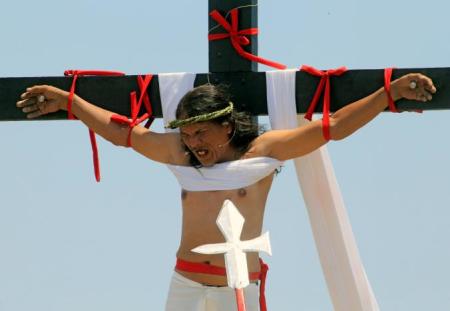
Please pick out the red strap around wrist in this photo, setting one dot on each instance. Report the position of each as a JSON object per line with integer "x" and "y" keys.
{"x": 75, "y": 74}
{"x": 70, "y": 116}
{"x": 387, "y": 89}
{"x": 143, "y": 84}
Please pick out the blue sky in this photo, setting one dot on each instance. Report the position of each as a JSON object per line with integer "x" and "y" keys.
{"x": 67, "y": 243}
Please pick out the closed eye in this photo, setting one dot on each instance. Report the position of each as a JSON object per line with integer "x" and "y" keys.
{"x": 197, "y": 133}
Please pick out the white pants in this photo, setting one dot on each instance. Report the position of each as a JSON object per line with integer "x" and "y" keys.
{"x": 187, "y": 295}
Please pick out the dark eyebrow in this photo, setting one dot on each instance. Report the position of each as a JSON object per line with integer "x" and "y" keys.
{"x": 182, "y": 133}
{"x": 196, "y": 131}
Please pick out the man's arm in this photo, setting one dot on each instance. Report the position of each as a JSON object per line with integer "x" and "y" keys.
{"x": 289, "y": 144}
{"x": 165, "y": 148}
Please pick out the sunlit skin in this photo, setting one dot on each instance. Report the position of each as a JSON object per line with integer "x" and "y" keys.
{"x": 210, "y": 143}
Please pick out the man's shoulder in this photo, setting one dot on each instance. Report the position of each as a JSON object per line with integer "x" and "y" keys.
{"x": 260, "y": 146}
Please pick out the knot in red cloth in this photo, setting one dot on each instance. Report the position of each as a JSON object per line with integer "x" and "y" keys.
{"x": 238, "y": 37}
{"x": 70, "y": 116}
{"x": 143, "y": 83}
{"x": 324, "y": 88}
{"x": 75, "y": 74}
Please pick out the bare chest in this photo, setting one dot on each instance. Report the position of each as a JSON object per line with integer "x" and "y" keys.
{"x": 201, "y": 208}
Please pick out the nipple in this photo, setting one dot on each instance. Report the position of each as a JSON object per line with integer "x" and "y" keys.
{"x": 242, "y": 192}
{"x": 183, "y": 194}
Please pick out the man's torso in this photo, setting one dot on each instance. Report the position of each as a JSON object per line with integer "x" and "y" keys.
{"x": 200, "y": 211}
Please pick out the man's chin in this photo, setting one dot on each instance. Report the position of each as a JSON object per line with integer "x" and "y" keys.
{"x": 205, "y": 163}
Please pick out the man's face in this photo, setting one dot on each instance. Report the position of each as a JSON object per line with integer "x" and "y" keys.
{"x": 208, "y": 141}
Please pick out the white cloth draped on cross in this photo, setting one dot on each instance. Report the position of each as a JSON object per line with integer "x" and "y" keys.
{"x": 344, "y": 273}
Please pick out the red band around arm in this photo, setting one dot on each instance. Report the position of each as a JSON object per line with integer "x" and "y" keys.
{"x": 324, "y": 88}
{"x": 143, "y": 84}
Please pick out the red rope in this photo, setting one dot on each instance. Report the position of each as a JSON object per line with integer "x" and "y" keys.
{"x": 95, "y": 159}
{"x": 240, "y": 300}
{"x": 238, "y": 37}
{"x": 136, "y": 107}
{"x": 262, "y": 286}
{"x": 322, "y": 88}
{"x": 75, "y": 74}
{"x": 387, "y": 89}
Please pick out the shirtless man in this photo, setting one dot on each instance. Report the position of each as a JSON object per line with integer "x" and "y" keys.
{"x": 227, "y": 135}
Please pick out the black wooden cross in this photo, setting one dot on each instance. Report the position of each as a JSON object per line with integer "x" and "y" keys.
{"x": 226, "y": 66}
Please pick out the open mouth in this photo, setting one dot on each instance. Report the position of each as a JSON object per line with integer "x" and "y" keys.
{"x": 201, "y": 153}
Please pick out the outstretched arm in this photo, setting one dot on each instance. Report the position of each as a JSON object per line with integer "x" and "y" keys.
{"x": 159, "y": 147}
{"x": 288, "y": 144}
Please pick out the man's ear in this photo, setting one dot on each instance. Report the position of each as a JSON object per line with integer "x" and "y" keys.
{"x": 228, "y": 125}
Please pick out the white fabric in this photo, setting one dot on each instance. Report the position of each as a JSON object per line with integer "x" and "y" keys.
{"x": 344, "y": 273}
{"x": 222, "y": 176}
{"x": 172, "y": 87}
{"x": 187, "y": 295}
{"x": 225, "y": 176}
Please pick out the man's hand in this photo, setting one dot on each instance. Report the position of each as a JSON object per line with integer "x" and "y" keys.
{"x": 41, "y": 100}
{"x": 413, "y": 86}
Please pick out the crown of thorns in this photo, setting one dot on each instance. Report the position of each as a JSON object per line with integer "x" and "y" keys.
{"x": 201, "y": 118}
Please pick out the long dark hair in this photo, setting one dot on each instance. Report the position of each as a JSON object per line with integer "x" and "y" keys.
{"x": 208, "y": 98}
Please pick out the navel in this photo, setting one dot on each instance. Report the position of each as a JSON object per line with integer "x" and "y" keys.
{"x": 183, "y": 194}
{"x": 242, "y": 192}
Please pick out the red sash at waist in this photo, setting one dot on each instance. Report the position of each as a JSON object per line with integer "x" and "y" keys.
{"x": 199, "y": 267}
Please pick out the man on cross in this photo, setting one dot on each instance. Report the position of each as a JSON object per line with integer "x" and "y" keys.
{"x": 214, "y": 135}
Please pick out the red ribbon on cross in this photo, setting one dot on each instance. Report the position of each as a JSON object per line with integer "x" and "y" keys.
{"x": 136, "y": 107}
{"x": 262, "y": 288}
{"x": 143, "y": 84}
{"x": 387, "y": 89}
{"x": 323, "y": 87}
{"x": 75, "y": 74}
{"x": 238, "y": 37}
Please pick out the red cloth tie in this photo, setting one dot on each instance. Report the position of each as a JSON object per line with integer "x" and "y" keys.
{"x": 199, "y": 267}
{"x": 323, "y": 87}
{"x": 136, "y": 107}
{"x": 387, "y": 89}
{"x": 262, "y": 286}
{"x": 238, "y": 37}
{"x": 75, "y": 74}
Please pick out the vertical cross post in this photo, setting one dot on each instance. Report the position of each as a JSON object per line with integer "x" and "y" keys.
{"x": 222, "y": 55}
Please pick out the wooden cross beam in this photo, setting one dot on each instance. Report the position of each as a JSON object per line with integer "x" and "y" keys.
{"x": 227, "y": 67}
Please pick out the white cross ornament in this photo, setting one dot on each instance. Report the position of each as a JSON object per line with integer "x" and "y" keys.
{"x": 230, "y": 223}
